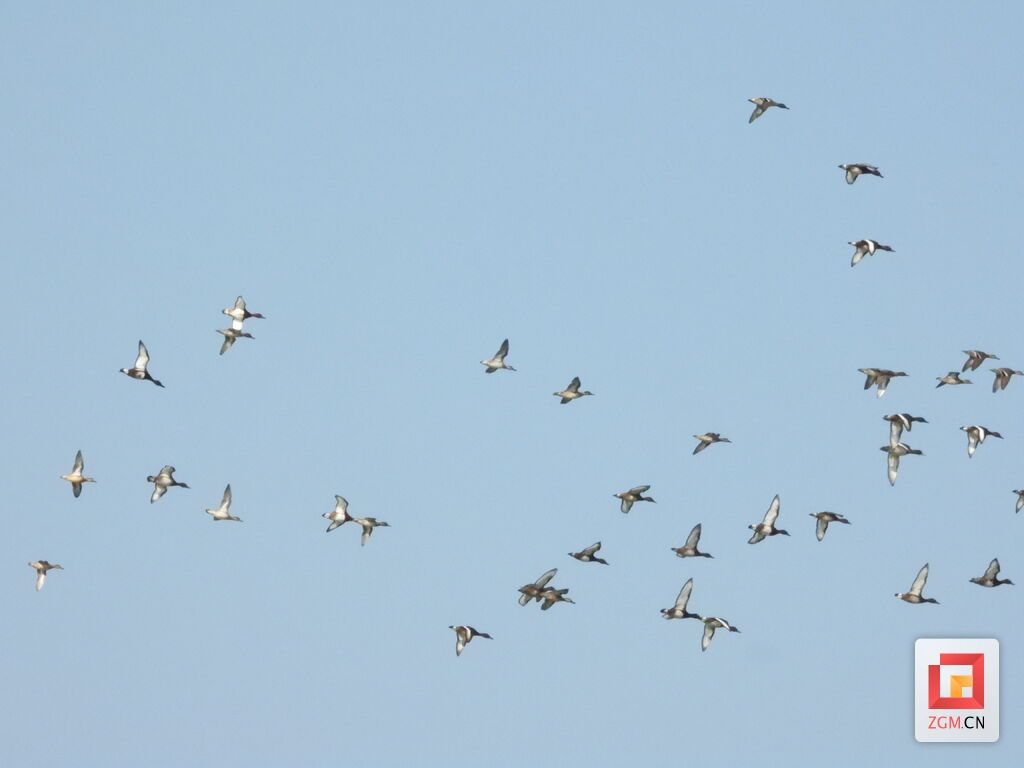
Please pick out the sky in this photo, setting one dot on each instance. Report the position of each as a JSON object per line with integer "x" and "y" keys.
{"x": 400, "y": 186}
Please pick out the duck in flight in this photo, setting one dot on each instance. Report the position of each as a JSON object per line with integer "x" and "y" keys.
{"x": 633, "y": 495}
{"x": 678, "y": 611}
{"x": 163, "y": 480}
{"x": 761, "y": 104}
{"x": 533, "y": 590}
{"x": 711, "y": 623}
{"x": 855, "y": 170}
{"x": 896, "y": 452}
{"x": 866, "y": 248}
{"x": 42, "y": 566}
{"x": 339, "y": 515}
{"x": 824, "y": 518}
{"x": 588, "y": 555}
{"x": 899, "y": 422}
{"x": 239, "y": 313}
{"x": 952, "y": 378}
{"x": 767, "y": 527}
{"x": 572, "y": 392}
{"x": 708, "y": 438}
{"x": 1020, "y": 499}
{"x": 368, "y": 524}
{"x": 140, "y": 370}
{"x": 222, "y": 512}
{"x": 550, "y": 596}
{"x": 879, "y": 377}
{"x": 75, "y": 476}
{"x": 913, "y": 595}
{"x": 1003, "y": 376}
{"x": 463, "y": 634}
{"x": 991, "y": 576}
{"x": 232, "y": 334}
{"x": 975, "y": 358}
{"x": 497, "y": 363}
{"x": 689, "y": 549}
{"x": 976, "y": 436}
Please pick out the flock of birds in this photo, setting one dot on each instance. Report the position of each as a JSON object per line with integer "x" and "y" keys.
{"x": 541, "y": 589}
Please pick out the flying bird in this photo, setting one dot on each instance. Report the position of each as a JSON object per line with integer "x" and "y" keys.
{"x": 233, "y": 334}
{"x": 914, "y": 594}
{"x": 866, "y": 248}
{"x": 678, "y": 611}
{"x": 879, "y": 377}
{"x": 975, "y": 357}
{"x": 689, "y": 549}
{"x": 708, "y": 438}
{"x": 767, "y": 525}
{"x": 140, "y": 370}
{"x": 497, "y": 362}
{"x": 339, "y": 515}
{"x": 824, "y": 518}
{"x": 533, "y": 590}
{"x": 75, "y": 476}
{"x": 163, "y": 480}
{"x": 952, "y": 378}
{"x": 990, "y": 577}
{"x": 855, "y": 170}
{"x": 711, "y": 623}
{"x": 1003, "y": 376}
{"x": 222, "y": 512}
{"x": 239, "y": 313}
{"x": 900, "y": 421}
{"x": 1020, "y": 500}
{"x": 762, "y": 103}
{"x": 42, "y": 566}
{"x": 550, "y": 596}
{"x": 976, "y": 436}
{"x": 463, "y": 634}
{"x": 632, "y": 496}
{"x": 896, "y": 452}
{"x": 368, "y": 524}
{"x": 587, "y": 555}
{"x": 572, "y": 392}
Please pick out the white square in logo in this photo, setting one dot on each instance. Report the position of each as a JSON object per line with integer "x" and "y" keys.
{"x": 956, "y": 689}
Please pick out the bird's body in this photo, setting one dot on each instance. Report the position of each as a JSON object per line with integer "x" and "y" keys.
{"x": 976, "y": 436}
{"x": 497, "y": 362}
{"x": 708, "y": 438}
{"x": 896, "y": 452}
{"x": 550, "y": 596}
{"x": 140, "y": 370}
{"x": 761, "y": 104}
{"x": 711, "y": 623}
{"x": 223, "y": 512}
{"x": 572, "y": 392}
{"x": 163, "y": 480}
{"x": 463, "y": 634}
{"x": 824, "y": 518}
{"x": 75, "y": 476}
{"x": 689, "y": 549}
{"x": 633, "y": 495}
{"x": 1003, "y": 376}
{"x": 368, "y": 524}
{"x": 866, "y": 248}
{"x": 952, "y": 379}
{"x": 589, "y": 555}
{"x": 899, "y": 422}
{"x": 856, "y": 170}
{"x": 879, "y": 377}
{"x": 42, "y": 566}
{"x": 239, "y": 313}
{"x": 991, "y": 576}
{"x": 975, "y": 358}
{"x": 339, "y": 515}
{"x": 678, "y": 611}
{"x": 913, "y": 595}
{"x": 766, "y": 527}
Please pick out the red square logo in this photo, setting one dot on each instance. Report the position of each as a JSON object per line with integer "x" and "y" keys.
{"x": 956, "y": 699}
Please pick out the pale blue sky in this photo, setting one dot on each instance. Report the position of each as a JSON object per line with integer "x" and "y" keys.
{"x": 400, "y": 186}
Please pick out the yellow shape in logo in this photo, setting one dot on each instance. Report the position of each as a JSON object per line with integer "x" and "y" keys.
{"x": 957, "y": 683}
